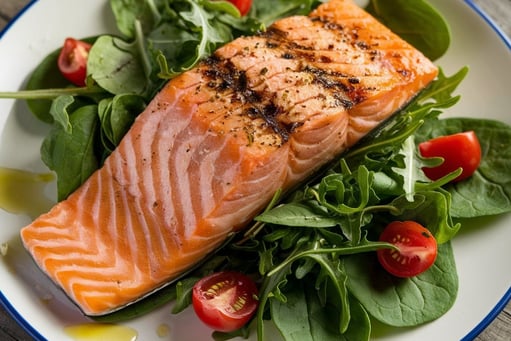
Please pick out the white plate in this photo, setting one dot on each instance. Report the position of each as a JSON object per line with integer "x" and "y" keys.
{"x": 45, "y": 312}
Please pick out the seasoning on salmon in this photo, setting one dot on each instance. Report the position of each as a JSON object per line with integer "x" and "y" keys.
{"x": 209, "y": 152}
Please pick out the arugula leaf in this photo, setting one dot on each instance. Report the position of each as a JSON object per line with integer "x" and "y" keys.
{"x": 183, "y": 294}
{"x": 212, "y": 33}
{"x": 298, "y": 214}
{"x": 431, "y": 209}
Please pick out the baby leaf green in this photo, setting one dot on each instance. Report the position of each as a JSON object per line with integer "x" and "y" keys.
{"x": 72, "y": 154}
{"x": 415, "y": 21}
{"x": 488, "y": 191}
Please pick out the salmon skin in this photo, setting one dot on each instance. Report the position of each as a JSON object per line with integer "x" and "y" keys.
{"x": 208, "y": 153}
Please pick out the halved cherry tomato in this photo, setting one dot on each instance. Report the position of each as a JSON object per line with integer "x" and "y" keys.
{"x": 72, "y": 61}
{"x": 417, "y": 249}
{"x": 225, "y": 301}
{"x": 242, "y": 5}
{"x": 458, "y": 150}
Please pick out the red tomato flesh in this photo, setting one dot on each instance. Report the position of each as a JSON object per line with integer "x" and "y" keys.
{"x": 458, "y": 150}
{"x": 417, "y": 249}
{"x": 72, "y": 61}
{"x": 225, "y": 301}
{"x": 242, "y": 5}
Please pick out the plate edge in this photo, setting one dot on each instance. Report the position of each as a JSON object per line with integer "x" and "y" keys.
{"x": 497, "y": 309}
{"x": 502, "y": 35}
{"x": 16, "y": 17}
{"x": 4, "y": 302}
{"x": 506, "y": 298}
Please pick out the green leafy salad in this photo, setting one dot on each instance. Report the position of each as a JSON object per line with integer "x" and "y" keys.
{"x": 312, "y": 252}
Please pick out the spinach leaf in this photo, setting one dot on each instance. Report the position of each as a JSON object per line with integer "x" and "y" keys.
{"x": 360, "y": 324}
{"x": 488, "y": 191}
{"x": 305, "y": 316}
{"x": 116, "y": 115}
{"x": 71, "y": 155}
{"x": 267, "y": 11}
{"x": 416, "y": 22}
{"x": 59, "y": 111}
{"x": 128, "y": 12}
{"x": 293, "y": 316}
{"x": 404, "y": 301}
{"x": 116, "y": 66}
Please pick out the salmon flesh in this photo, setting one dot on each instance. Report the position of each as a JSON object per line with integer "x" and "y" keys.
{"x": 261, "y": 114}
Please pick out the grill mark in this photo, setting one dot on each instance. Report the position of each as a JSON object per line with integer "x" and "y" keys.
{"x": 340, "y": 82}
{"x": 225, "y": 76}
{"x": 269, "y": 113}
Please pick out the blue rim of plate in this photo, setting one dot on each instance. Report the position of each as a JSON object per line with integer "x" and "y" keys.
{"x": 20, "y": 13}
{"x": 470, "y": 336}
{"x": 4, "y": 302}
{"x": 490, "y": 22}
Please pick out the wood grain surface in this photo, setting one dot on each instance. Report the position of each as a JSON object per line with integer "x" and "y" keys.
{"x": 498, "y": 330}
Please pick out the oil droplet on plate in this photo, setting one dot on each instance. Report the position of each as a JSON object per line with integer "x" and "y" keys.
{"x": 101, "y": 332}
{"x": 23, "y": 192}
{"x": 4, "y": 247}
{"x": 163, "y": 330}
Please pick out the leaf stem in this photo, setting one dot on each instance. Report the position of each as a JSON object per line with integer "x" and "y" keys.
{"x": 50, "y": 93}
{"x": 340, "y": 251}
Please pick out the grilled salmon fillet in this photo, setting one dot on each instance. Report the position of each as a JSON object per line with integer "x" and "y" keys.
{"x": 261, "y": 114}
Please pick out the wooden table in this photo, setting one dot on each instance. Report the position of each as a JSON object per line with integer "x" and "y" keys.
{"x": 499, "y": 329}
